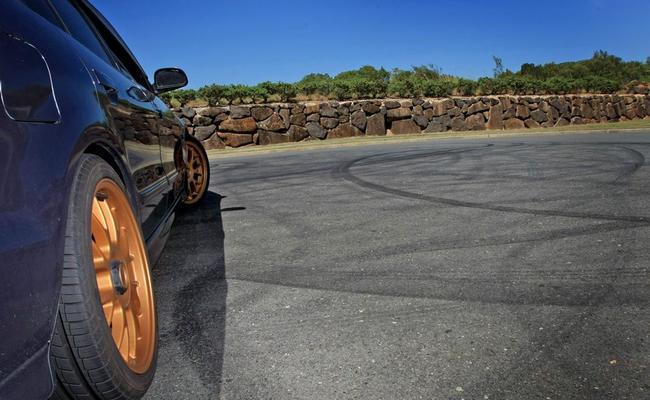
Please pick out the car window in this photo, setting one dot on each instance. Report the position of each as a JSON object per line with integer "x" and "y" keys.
{"x": 42, "y": 8}
{"x": 125, "y": 63}
{"x": 79, "y": 29}
{"x": 121, "y": 54}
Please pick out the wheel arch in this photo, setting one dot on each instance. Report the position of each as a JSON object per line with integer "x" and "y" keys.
{"x": 117, "y": 162}
{"x": 101, "y": 151}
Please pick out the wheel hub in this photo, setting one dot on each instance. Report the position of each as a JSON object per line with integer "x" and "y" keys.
{"x": 119, "y": 277}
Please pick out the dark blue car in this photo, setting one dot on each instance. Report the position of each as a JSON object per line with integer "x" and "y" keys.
{"x": 92, "y": 166}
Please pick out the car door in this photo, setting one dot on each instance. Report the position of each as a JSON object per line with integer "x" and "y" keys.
{"x": 127, "y": 99}
{"x": 172, "y": 147}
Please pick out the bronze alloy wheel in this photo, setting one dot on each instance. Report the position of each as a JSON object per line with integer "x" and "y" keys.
{"x": 123, "y": 277}
{"x": 197, "y": 172}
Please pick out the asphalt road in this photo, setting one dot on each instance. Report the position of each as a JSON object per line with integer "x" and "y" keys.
{"x": 511, "y": 268}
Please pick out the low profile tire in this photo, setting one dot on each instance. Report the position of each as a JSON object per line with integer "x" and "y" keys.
{"x": 105, "y": 340}
{"x": 198, "y": 172}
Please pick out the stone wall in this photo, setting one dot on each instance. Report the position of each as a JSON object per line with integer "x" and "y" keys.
{"x": 261, "y": 124}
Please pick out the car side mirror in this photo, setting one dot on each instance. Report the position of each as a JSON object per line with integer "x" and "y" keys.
{"x": 166, "y": 79}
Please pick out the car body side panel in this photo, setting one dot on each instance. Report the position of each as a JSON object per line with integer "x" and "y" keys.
{"x": 30, "y": 380}
{"x": 172, "y": 151}
{"x": 136, "y": 122}
{"x": 36, "y": 165}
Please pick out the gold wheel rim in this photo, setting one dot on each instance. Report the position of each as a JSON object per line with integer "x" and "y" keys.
{"x": 197, "y": 172}
{"x": 123, "y": 278}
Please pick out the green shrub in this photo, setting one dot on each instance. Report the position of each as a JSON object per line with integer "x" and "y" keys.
{"x": 259, "y": 94}
{"x": 342, "y": 89}
{"x": 602, "y": 73}
{"x": 560, "y": 85}
{"x": 212, "y": 93}
{"x": 315, "y": 84}
{"x": 237, "y": 93}
{"x": 598, "y": 84}
{"x": 517, "y": 84}
{"x": 366, "y": 88}
{"x": 492, "y": 86}
{"x": 285, "y": 91}
{"x": 181, "y": 96}
{"x": 365, "y": 82}
{"x": 466, "y": 87}
{"x": 360, "y": 87}
{"x": 365, "y": 72}
{"x": 401, "y": 84}
{"x": 437, "y": 88}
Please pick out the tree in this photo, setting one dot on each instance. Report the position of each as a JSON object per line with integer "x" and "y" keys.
{"x": 498, "y": 66}
{"x": 429, "y": 71}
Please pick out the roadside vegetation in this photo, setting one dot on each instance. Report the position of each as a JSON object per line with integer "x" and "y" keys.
{"x": 603, "y": 73}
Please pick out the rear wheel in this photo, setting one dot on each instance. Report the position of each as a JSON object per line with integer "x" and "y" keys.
{"x": 198, "y": 172}
{"x": 105, "y": 340}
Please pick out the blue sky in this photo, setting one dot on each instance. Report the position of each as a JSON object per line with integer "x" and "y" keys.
{"x": 282, "y": 40}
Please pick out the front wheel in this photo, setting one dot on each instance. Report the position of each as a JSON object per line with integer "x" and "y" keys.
{"x": 105, "y": 340}
{"x": 198, "y": 172}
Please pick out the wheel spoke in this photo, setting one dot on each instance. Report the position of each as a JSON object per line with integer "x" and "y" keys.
{"x": 100, "y": 231}
{"x": 105, "y": 286}
{"x": 122, "y": 250}
{"x": 132, "y": 328}
{"x": 98, "y": 214}
{"x": 112, "y": 227}
{"x": 135, "y": 303}
{"x": 99, "y": 257}
{"x": 118, "y": 324}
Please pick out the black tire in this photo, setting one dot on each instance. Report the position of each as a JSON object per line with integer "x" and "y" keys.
{"x": 83, "y": 354}
{"x": 195, "y": 144}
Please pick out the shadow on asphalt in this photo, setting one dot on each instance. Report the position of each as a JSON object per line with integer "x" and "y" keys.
{"x": 197, "y": 239}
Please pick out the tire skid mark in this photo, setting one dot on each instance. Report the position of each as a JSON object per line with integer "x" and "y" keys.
{"x": 456, "y": 290}
{"x": 503, "y": 240}
{"x": 630, "y": 168}
{"x": 569, "y": 172}
{"x": 343, "y": 170}
{"x": 270, "y": 175}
